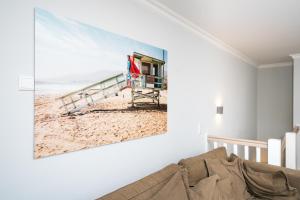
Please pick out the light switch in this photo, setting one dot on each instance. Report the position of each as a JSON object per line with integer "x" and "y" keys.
{"x": 26, "y": 83}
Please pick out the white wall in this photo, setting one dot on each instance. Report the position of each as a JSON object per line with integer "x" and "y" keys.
{"x": 297, "y": 103}
{"x": 199, "y": 73}
{"x": 274, "y": 102}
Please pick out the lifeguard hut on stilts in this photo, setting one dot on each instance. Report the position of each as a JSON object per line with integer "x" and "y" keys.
{"x": 145, "y": 78}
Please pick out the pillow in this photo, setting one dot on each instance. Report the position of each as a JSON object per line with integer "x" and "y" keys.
{"x": 230, "y": 170}
{"x": 196, "y": 165}
{"x": 175, "y": 189}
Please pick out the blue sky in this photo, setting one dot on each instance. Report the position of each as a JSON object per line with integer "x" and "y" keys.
{"x": 65, "y": 47}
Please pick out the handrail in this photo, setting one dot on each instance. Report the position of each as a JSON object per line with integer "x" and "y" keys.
{"x": 243, "y": 142}
{"x": 115, "y": 77}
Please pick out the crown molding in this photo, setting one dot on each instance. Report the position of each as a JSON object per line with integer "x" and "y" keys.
{"x": 179, "y": 19}
{"x": 274, "y": 65}
{"x": 295, "y": 56}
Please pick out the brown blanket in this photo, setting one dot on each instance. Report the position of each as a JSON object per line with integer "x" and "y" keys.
{"x": 211, "y": 188}
{"x": 269, "y": 185}
{"x": 248, "y": 184}
{"x": 174, "y": 189}
{"x": 227, "y": 180}
{"x": 170, "y": 183}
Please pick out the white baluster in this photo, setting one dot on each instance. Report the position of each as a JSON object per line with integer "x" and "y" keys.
{"x": 258, "y": 151}
{"x": 274, "y": 152}
{"x": 235, "y": 149}
{"x": 215, "y": 145}
{"x": 246, "y": 151}
{"x": 225, "y": 145}
{"x": 290, "y": 150}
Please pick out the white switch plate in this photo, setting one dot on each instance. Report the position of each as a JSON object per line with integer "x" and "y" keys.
{"x": 26, "y": 83}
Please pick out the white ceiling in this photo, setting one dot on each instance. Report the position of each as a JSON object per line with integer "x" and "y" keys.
{"x": 266, "y": 31}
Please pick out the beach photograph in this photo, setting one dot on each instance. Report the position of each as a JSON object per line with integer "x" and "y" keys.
{"x": 94, "y": 87}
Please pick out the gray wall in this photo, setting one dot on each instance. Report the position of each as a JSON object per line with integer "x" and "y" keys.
{"x": 199, "y": 74}
{"x": 274, "y": 102}
{"x": 297, "y": 103}
{"x": 297, "y": 91}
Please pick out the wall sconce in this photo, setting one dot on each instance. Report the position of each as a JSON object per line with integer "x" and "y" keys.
{"x": 220, "y": 110}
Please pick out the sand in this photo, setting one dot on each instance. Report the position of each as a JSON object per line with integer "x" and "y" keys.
{"x": 108, "y": 121}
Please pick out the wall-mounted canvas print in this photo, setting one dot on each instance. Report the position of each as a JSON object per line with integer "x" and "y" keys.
{"x": 94, "y": 87}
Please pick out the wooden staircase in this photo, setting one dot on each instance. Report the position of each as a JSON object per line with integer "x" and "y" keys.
{"x": 76, "y": 100}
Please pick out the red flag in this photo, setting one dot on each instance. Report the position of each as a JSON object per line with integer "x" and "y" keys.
{"x": 134, "y": 70}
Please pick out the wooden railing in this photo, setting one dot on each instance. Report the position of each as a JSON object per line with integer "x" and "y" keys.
{"x": 280, "y": 152}
{"x": 142, "y": 80}
{"x": 258, "y": 145}
{"x": 273, "y": 145}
